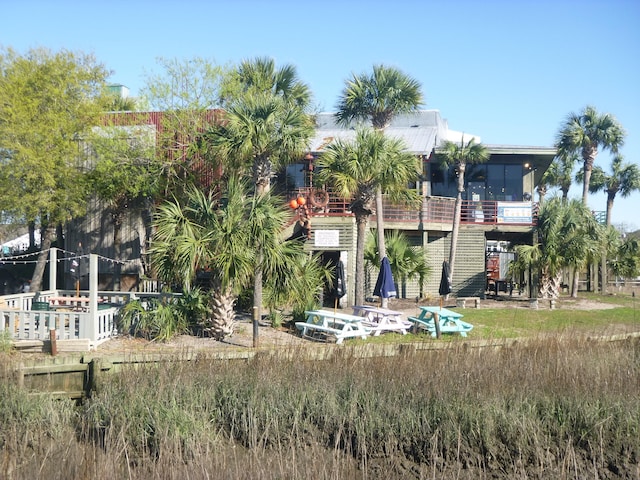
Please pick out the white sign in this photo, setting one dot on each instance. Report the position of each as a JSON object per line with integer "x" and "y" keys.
{"x": 514, "y": 212}
{"x": 326, "y": 238}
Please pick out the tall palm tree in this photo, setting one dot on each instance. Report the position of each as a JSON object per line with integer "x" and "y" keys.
{"x": 356, "y": 170}
{"x": 379, "y": 97}
{"x": 624, "y": 179}
{"x": 586, "y": 132}
{"x": 263, "y": 129}
{"x": 223, "y": 237}
{"x": 459, "y": 156}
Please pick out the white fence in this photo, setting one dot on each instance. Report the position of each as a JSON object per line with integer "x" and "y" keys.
{"x": 94, "y": 324}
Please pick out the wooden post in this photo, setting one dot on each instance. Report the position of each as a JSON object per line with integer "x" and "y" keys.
{"x": 436, "y": 324}
{"x": 21, "y": 375}
{"x": 54, "y": 342}
{"x": 255, "y": 327}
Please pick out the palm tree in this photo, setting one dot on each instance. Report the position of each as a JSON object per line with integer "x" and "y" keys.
{"x": 459, "y": 156}
{"x": 624, "y": 179}
{"x": 583, "y": 240}
{"x": 379, "y": 97}
{"x": 585, "y": 133}
{"x": 260, "y": 75}
{"x": 407, "y": 262}
{"x": 262, "y": 130}
{"x": 560, "y": 172}
{"x": 568, "y": 236}
{"x": 543, "y": 187}
{"x": 357, "y": 170}
{"x": 224, "y": 238}
{"x": 626, "y": 262}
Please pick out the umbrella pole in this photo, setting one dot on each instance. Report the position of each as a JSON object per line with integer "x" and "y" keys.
{"x": 335, "y": 304}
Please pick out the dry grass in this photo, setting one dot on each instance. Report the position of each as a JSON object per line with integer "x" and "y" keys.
{"x": 554, "y": 408}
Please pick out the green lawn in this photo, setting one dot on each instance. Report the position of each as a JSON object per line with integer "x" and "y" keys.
{"x": 522, "y": 321}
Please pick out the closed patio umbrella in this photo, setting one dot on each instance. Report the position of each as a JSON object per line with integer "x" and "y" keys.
{"x": 444, "y": 290}
{"x": 445, "y": 284}
{"x": 385, "y": 286}
{"x": 339, "y": 289}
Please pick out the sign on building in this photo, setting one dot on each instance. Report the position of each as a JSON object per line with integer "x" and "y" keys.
{"x": 514, "y": 212}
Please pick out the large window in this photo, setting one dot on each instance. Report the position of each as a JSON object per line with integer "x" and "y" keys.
{"x": 501, "y": 181}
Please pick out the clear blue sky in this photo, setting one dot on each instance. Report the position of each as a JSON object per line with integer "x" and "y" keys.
{"x": 509, "y": 71}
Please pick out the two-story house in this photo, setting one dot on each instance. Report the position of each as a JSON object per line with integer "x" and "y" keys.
{"x": 498, "y": 208}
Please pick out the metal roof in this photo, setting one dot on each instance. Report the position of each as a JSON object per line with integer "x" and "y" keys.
{"x": 419, "y": 131}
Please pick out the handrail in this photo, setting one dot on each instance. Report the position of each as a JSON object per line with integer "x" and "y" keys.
{"x": 437, "y": 210}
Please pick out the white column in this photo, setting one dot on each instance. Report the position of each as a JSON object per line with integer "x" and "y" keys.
{"x": 93, "y": 297}
{"x": 53, "y": 268}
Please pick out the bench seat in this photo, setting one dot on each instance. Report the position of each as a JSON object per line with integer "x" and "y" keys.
{"x": 308, "y": 330}
{"x": 446, "y": 326}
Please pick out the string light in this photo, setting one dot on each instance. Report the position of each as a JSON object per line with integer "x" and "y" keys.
{"x": 17, "y": 259}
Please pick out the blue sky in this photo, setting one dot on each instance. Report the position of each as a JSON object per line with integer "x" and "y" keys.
{"x": 509, "y": 71}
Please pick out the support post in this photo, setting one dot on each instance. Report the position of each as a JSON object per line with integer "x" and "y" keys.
{"x": 53, "y": 268}
{"x": 93, "y": 298}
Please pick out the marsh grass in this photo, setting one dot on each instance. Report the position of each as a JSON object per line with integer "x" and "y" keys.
{"x": 544, "y": 409}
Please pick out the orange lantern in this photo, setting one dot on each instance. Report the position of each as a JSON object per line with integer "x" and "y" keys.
{"x": 301, "y": 201}
{"x": 293, "y": 203}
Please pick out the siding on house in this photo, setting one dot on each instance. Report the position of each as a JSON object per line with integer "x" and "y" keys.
{"x": 469, "y": 273}
{"x": 95, "y": 231}
{"x": 437, "y": 249}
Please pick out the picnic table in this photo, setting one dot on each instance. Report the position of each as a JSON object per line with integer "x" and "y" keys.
{"x": 326, "y": 323}
{"x": 69, "y": 302}
{"x": 379, "y": 320}
{"x": 448, "y": 321}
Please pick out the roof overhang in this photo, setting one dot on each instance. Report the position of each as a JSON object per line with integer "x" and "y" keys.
{"x": 537, "y": 158}
{"x": 418, "y": 131}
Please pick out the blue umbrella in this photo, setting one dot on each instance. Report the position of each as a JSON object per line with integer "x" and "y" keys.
{"x": 385, "y": 286}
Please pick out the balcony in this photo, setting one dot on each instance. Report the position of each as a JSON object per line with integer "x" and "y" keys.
{"x": 434, "y": 211}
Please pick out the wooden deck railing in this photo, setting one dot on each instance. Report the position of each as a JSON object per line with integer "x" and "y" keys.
{"x": 435, "y": 210}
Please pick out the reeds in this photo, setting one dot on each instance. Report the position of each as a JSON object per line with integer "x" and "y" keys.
{"x": 545, "y": 409}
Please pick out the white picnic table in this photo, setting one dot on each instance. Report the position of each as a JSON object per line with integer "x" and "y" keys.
{"x": 379, "y": 320}
{"x": 325, "y": 323}
{"x": 448, "y": 321}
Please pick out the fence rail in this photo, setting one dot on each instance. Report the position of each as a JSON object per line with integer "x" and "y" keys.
{"x": 437, "y": 210}
{"x": 27, "y": 317}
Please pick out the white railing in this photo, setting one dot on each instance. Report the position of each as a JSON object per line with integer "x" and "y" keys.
{"x": 24, "y": 323}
